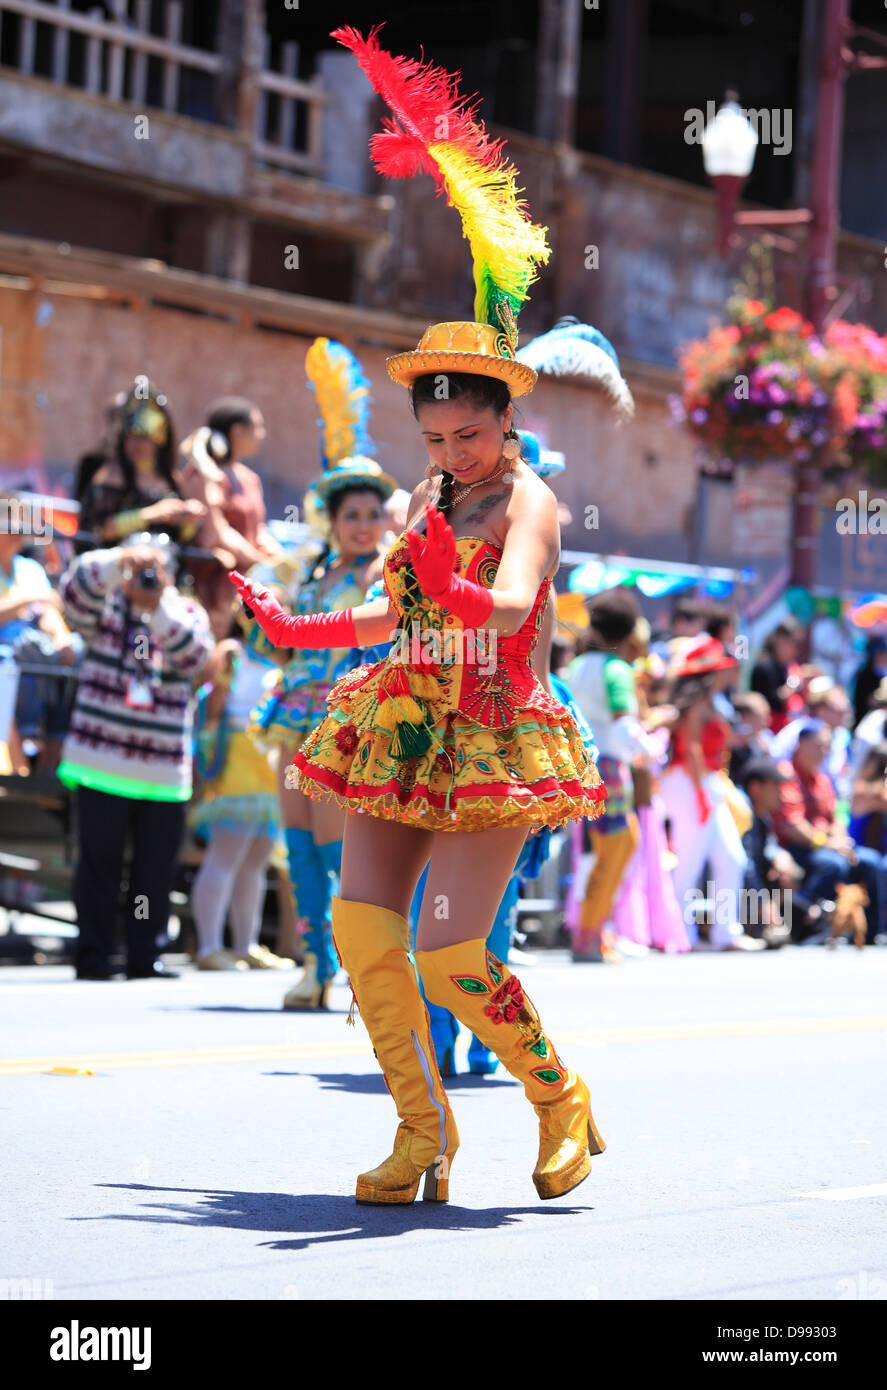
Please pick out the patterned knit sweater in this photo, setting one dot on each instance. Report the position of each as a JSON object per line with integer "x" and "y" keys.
{"x": 111, "y": 746}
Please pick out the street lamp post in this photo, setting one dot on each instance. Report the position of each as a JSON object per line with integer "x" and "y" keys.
{"x": 728, "y": 147}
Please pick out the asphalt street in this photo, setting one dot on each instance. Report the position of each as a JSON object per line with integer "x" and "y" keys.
{"x": 212, "y": 1152}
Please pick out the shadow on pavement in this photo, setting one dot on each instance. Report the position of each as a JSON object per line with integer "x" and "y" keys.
{"x": 240, "y": 1009}
{"x": 373, "y": 1083}
{"x": 321, "y": 1218}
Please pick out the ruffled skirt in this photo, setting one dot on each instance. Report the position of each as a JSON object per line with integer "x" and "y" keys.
{"x": 534, "y": 772}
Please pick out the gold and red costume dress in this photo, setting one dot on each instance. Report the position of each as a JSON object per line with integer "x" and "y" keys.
{"x": 500, "y": 750}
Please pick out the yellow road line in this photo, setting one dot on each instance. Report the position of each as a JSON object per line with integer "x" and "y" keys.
{"x": 269, "y": 1052}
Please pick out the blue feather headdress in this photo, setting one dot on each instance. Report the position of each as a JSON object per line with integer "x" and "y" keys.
{"x": 573, "y": 349}
{"x": 343, "y": 398}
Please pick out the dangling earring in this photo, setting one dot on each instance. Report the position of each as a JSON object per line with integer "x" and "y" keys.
{"x": 510, "y": 452}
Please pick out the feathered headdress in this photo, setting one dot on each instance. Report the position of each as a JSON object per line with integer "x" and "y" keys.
{"x": 579, "y": 350}
{"x": 343, "y": 399}
{"x": 434, "y": 130}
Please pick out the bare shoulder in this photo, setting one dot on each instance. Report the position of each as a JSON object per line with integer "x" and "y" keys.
{"x": 531, "y": 496}
{"x": 531, "y": 513}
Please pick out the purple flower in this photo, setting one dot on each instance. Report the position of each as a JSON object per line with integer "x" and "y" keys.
{"x": 819, "y": 398}
{"x": 774, "y": 417}
{"x": 699, "y": 416}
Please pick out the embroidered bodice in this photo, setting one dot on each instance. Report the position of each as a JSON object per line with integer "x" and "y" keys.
{"x": 477, "y": 672}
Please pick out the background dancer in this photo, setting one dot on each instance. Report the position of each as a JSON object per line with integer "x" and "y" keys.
{"x": 346, "y": 504}
{"x": 237, "y": 812}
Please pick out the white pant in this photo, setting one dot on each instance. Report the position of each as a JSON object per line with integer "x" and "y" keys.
{"x": 717, "y": 841}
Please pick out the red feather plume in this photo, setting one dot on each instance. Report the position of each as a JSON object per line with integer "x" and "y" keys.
{"x": 427, "y": 107}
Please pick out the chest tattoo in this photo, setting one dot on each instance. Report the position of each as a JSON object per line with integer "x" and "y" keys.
{"x": 483, "y": 507}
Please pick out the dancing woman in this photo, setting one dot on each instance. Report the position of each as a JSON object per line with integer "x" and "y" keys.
{"x": 451, "y": 762}
{"x": 346, "y": 504}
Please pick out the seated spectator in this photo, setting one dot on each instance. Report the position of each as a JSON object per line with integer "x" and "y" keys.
{"x": 868, "y": 804}
{"x": 750, "y": 731}
{"x": 806, "y": 825}
{"x": 868, "y": 734}
{"x": 128, "y": 749}
{"x": 770, "y": 871}
{"x": 777, "y": 676}
{"x": 868, "y": 676}
{"x": 32, "y": 626}
{"x": 828, "y": 704}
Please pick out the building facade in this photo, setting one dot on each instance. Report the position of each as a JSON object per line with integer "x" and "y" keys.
{"x": 185, "y": 192}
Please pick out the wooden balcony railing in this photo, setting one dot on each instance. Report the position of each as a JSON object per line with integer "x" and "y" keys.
{"x": 124, "y": 60}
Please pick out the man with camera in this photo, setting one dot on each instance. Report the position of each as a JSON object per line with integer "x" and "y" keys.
{"x": 128, "y": 748}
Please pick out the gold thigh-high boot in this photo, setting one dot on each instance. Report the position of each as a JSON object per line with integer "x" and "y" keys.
{"x": 488, "y": 999}
{"x": 373, "y": 944}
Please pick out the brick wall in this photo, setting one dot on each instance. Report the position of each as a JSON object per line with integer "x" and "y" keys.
{"x": 640, "y": 477}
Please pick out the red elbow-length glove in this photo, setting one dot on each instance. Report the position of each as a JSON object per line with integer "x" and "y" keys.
{"x": 434, "y": 557}
{"x": 314, "y": 631}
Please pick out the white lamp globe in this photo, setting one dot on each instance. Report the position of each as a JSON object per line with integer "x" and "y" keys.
{"x": 729, "y": 142}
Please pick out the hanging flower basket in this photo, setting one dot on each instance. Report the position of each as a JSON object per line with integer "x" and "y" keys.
{"x": 764, "y": 386}
{"x": 861, "y": 396}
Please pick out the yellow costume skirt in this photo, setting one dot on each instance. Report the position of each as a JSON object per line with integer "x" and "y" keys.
{"x": 243, "y": 796}
{"x": 535, "y": 772}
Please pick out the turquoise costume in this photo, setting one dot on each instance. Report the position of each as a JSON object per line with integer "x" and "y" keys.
{"x": 298, "y": 701}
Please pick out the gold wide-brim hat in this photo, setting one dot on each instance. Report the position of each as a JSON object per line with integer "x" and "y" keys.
{"x": 476, "y": 348}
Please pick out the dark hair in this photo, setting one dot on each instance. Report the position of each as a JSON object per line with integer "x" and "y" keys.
{"x": 336, "y": 498}
{"x": 164, "y": 459}
{"x": 789, "y": 627}
{"x": 485, "y": 392}
{"x": 811, "y": 729}
{"x": 760, "y": 770}
{"x": 689, "y": 690}
{"x": 875, "y": 765}
{"x": 717, "y": 619}
{"x": 221, "y": 417}
{"x": 692, "y": 610}
{"x": 613, "y": 616}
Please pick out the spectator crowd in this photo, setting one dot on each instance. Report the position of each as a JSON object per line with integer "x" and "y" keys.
{"x": 746, "y": 800}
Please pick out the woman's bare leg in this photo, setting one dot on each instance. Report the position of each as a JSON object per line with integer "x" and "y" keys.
{"x": 327, "y": 821}
{"x": 382, "y": 861}
{"x": 294, "y": 805}
{"x": 467, "y": 877}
